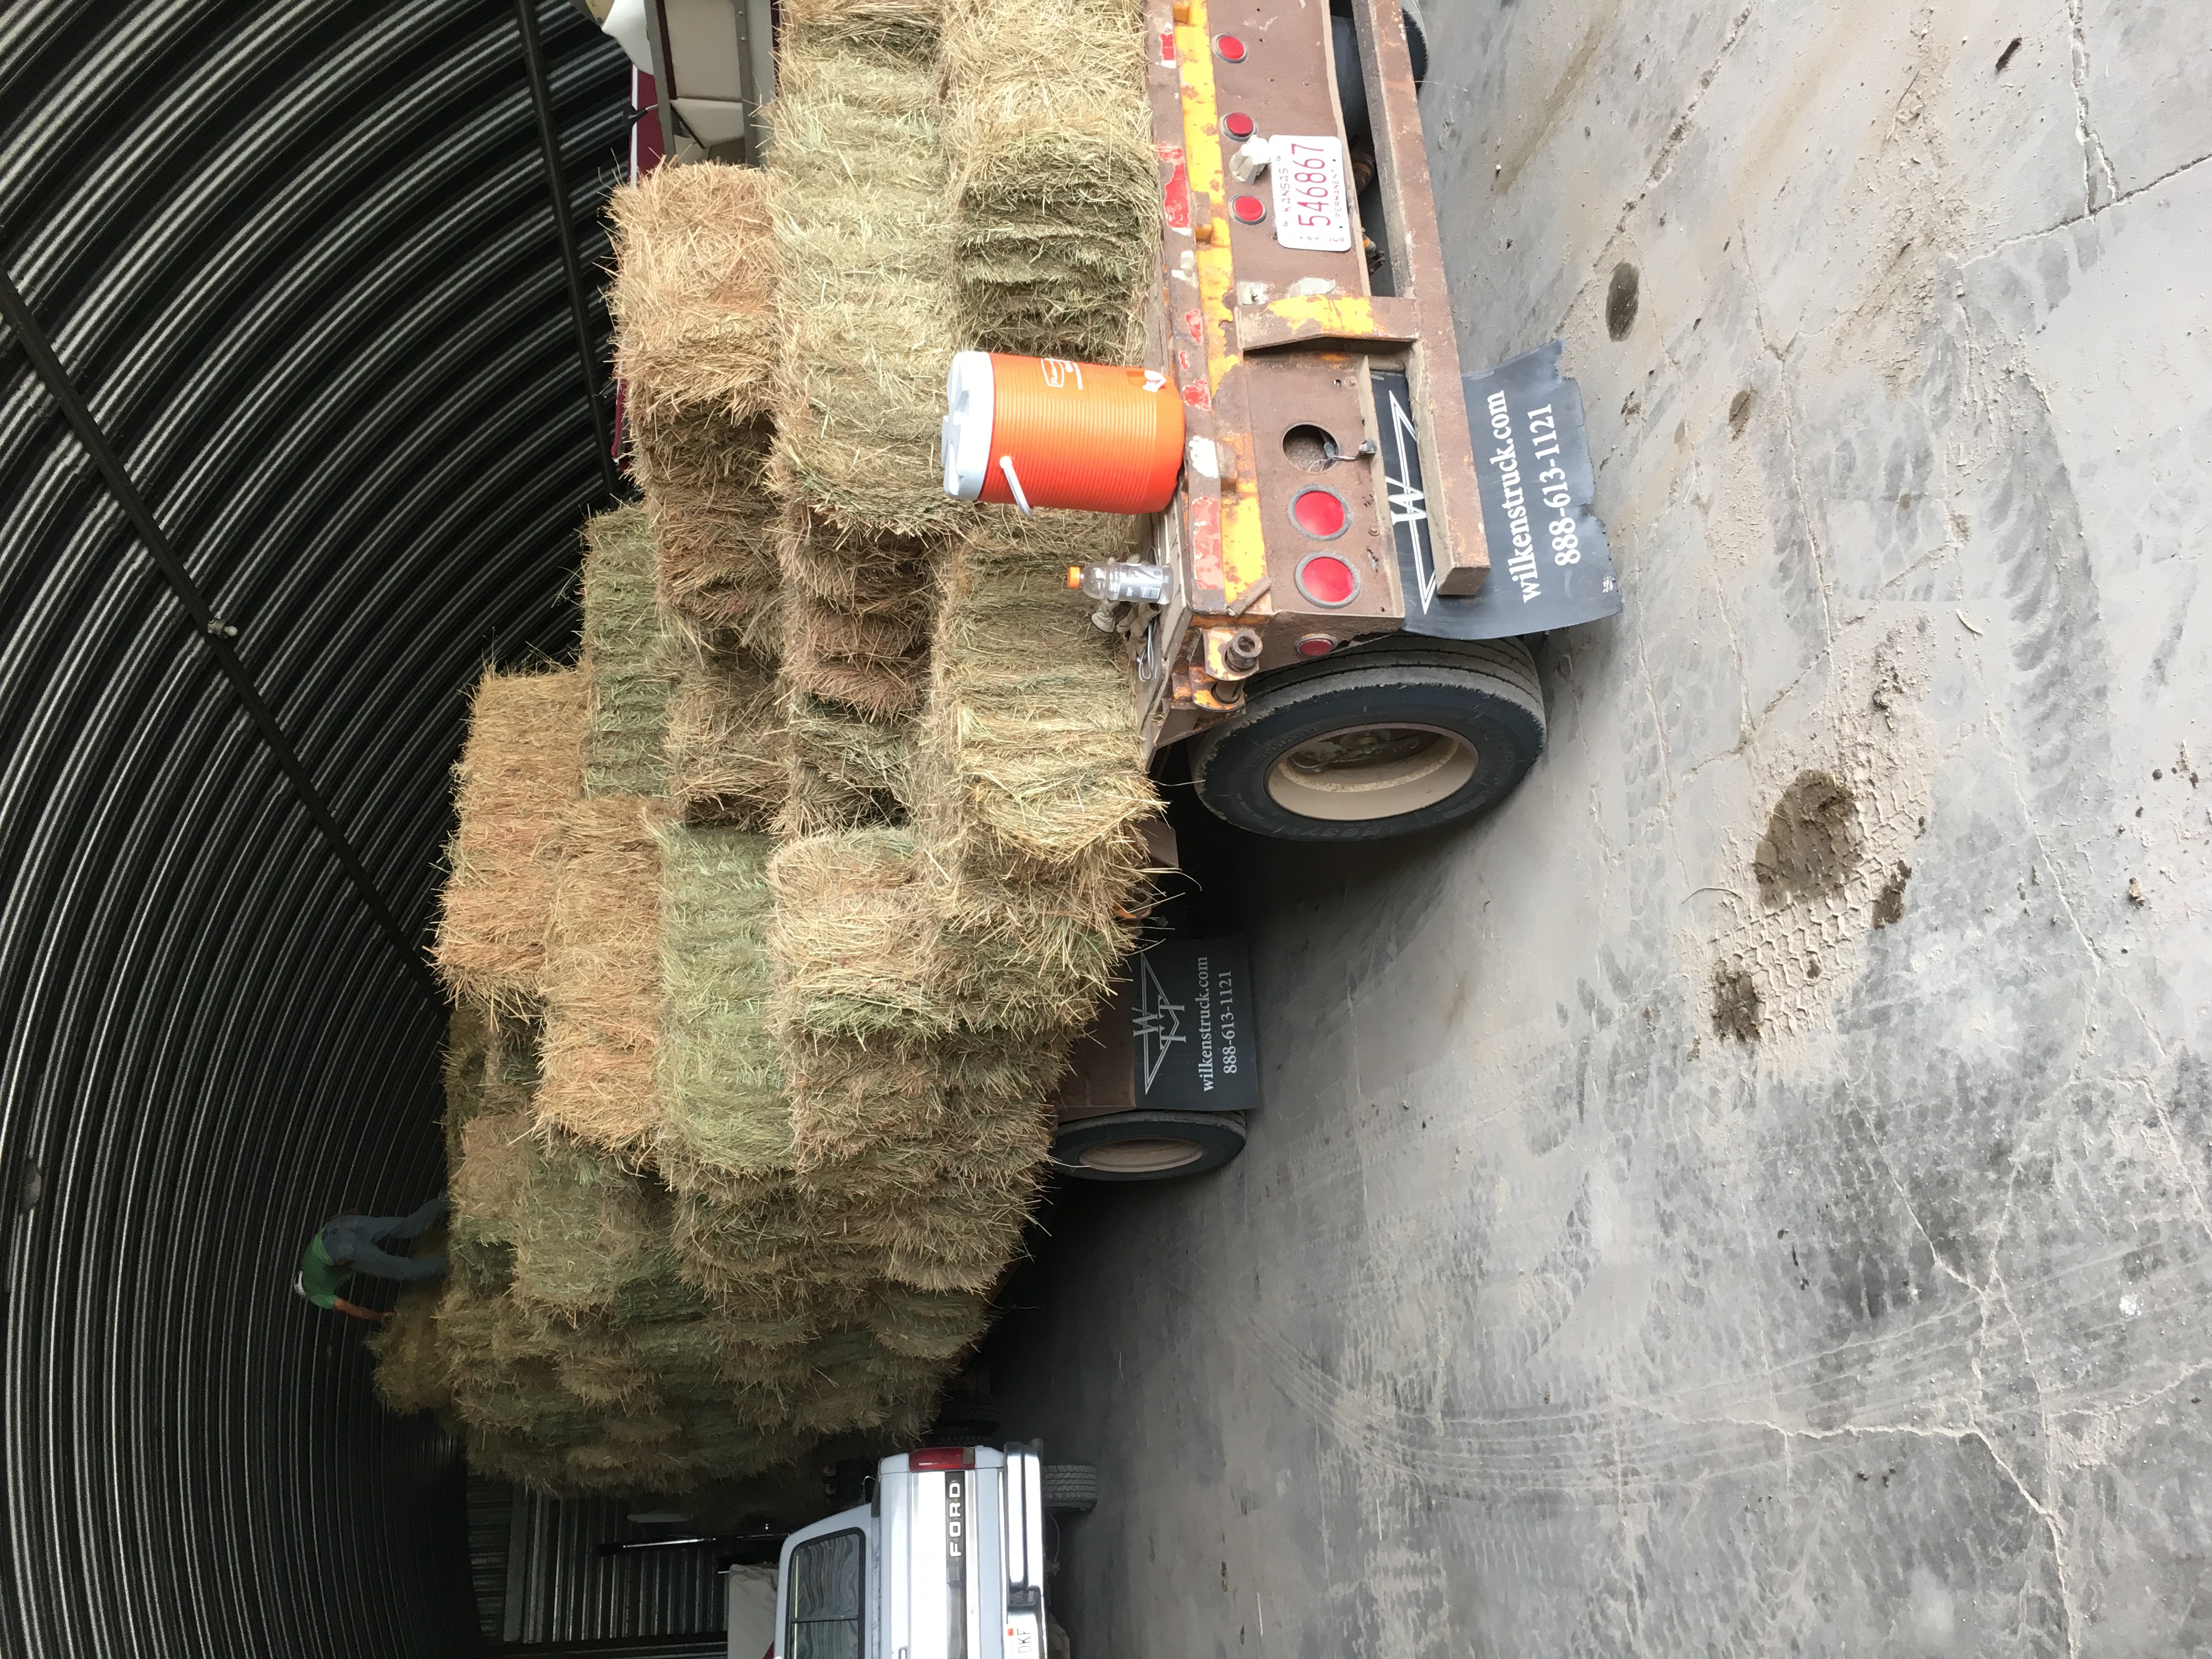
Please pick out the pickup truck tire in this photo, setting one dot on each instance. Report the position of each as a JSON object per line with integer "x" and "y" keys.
{"x": 1148, "y": 1146}
{"x": 1379, "y": 742}
{"x": 1069, "y": 1488}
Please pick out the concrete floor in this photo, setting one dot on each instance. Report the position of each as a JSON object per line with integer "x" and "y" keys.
{"x": 1637, "y": 1254}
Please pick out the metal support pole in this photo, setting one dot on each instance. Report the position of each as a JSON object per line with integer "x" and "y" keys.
{"x": 549, "y": 140}
{"x": 213, "y": 631}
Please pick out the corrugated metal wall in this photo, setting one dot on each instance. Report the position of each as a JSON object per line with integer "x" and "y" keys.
{"x": 300, "y": 260}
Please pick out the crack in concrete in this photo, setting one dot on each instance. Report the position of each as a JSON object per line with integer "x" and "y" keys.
{"x": 2067, "y": 223}
{"x": 2096, "y": 166}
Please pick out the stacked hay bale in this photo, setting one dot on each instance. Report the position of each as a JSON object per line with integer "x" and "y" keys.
{"x": 522, "y": 764}
{"x": 694, "y": 304}
{"x": 747, "y": 1096}
{"x": 1057, "y": 193}
{"x": 868, "y": 324}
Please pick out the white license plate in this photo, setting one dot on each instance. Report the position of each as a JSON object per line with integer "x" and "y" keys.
{"x": 1311, "y": 211}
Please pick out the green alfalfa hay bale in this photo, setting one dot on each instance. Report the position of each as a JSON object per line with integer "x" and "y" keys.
{"x": 829, "y": 656}
{"x": 864, "y": 246}
{"x": 589, "y": 1229}
{"x": 842, "y": 770}
{"x": 766, "y": 1253}
{"x": 1053, "y": 147}
{"x": 928, "y": 1325}
{"x": 722, "y": 1108}
{"x": 1032, "y": 720}
{"x": 488, "y": 1182}
{"x": 468, "y": 1041}
{"x": 626, "y": 657}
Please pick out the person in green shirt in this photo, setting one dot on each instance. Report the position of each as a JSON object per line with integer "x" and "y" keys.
{"x": 353, "y": 1244}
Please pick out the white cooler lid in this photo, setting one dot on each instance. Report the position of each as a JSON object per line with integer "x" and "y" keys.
{"x": 970, "y": 404}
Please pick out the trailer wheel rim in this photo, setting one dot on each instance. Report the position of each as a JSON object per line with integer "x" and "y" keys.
{"x": 1152, "y": 1155}
{"x": 1359, "y": 773}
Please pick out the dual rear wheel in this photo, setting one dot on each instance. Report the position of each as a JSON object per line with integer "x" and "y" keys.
{"x": 1382, "y": 741}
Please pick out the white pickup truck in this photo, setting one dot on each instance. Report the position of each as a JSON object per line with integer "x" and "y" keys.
{"x": 946, "y": 1561}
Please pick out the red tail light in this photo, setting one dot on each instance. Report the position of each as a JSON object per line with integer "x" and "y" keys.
{"x": 1328, "y": 580}
{"x": 942, "y": 1457}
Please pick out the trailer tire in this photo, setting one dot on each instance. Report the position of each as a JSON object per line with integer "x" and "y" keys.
{"x": 1383, "y": 741}
{"x": 1069, "y": 1488}
{"x": 1148, "y": 1146}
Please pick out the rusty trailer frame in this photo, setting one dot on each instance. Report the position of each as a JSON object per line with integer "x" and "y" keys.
{"x": 1274, "y": 347}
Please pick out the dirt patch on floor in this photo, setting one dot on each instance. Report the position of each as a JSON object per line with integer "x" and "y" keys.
{"x": 1811, "y": 842}
{"x": 1736, "y": 1004}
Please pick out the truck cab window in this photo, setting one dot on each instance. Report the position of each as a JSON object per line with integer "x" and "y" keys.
{"x": 824, "y": 1618}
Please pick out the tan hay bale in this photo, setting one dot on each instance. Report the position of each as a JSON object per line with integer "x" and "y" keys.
{"x": 602, "y": 974}
{"x": 412, "y": 1374}
{"x": 627, "y": 658}
{"x": 864, "y": 246}
{"x": 1057, "y": 187}
{"x": 856, "y": 569}
{"x": 522, "y": 762}
{"x": 852, "y": 942}
{"x": 716, "y": 566}
{"x": 693, "y": 301}
{"x": 841, "y": 771}
{"x": 726, "y": 746}
{"x": 721, "y": 1098}
{"x": 892, "y": 1113}
{"x": 877, "y": 688}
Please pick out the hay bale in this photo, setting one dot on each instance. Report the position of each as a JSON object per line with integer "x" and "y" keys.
{"x": 468, "y": 1041}
{"x": 411, "y": 1372}
{"x": 488, "y": 1184}
{"x": 627, "y": 660}
{"x": 928, "y": 1325}
{"x": 727, "y": 760}
{"x": 521, "y": 764}
{"x": 716, "y": 569}
{"x": 852, "y": 943}
{"x": 602, "y": 974}
{"x": 722, "y": 1111}
{"x": 693, "y": 301}
{"x": 587, "y": 1230}
{"x": 875, "y": 664}
{"x": 1032, "y": 724}
{"x": 842, "y": 770}
{"x": 1057, "y": 190}
{"x": 864, "y": 245}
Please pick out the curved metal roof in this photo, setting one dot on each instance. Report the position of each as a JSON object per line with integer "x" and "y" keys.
{"x": 291, "y": 348}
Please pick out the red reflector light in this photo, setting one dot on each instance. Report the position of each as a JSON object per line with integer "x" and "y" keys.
{"x": 1316, "y": 645}
{"x": 1327, "y": 580}
{"x": 941, "y": 1457}
{"x": 1230, "y": 47}
{"x": 1238, "y": 124}
{"x": 1248, "y": 209}
{"x": 1319, "y": 513}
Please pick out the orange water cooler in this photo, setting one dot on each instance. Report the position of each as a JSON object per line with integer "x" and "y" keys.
{"x": 1032, "y": 432}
